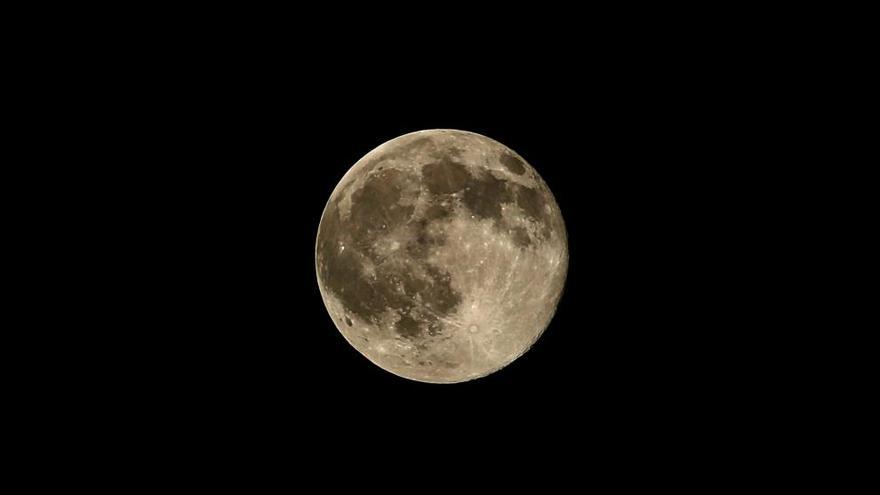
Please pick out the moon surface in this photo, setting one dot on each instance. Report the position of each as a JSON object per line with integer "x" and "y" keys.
{"x": 441, "y": 256}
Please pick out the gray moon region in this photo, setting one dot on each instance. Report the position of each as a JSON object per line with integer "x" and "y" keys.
{"x": 441, "y": 256}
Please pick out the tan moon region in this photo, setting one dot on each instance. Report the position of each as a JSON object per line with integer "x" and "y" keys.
{"x": 441, "y": 256}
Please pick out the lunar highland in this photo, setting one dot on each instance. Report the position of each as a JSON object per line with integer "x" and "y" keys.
{"x": 441, "y": 256}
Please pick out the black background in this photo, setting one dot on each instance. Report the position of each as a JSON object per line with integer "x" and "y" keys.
{"x": 234, "y": 153}
{"x": 196, "y": 151}
{"x": 635, "y": 330}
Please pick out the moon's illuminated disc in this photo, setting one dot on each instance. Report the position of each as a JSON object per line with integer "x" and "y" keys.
{"x": 441, "y": 256}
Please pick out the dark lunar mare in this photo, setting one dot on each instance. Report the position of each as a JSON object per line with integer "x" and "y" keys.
{"x": 512, "y": 163}
{"x": 484, "y": 194}
{"x": 375, "y": 211}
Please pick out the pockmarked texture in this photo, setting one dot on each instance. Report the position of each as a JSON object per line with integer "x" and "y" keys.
{"x": 441, "y": 256}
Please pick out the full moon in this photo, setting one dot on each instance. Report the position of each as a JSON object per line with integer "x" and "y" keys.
{"x": 441, "y": 256}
